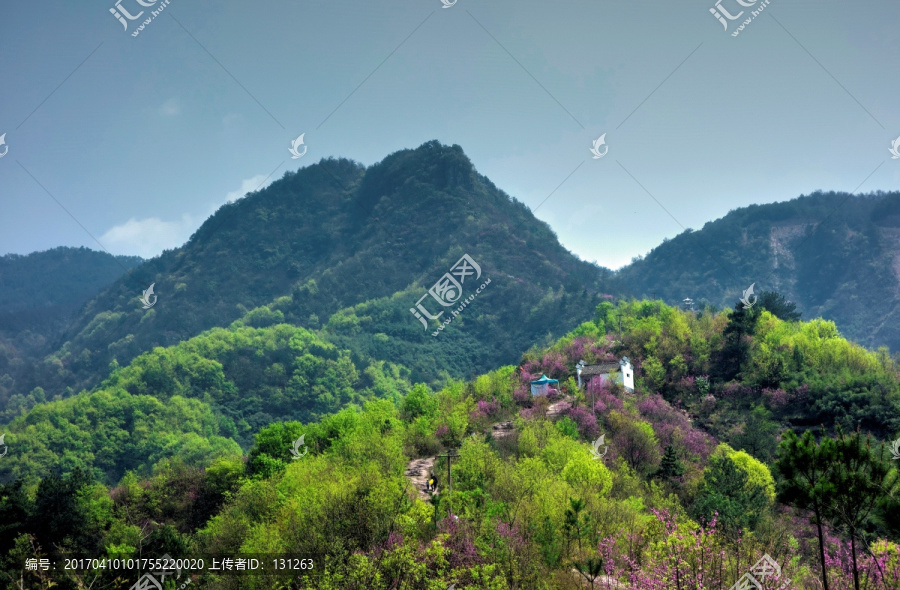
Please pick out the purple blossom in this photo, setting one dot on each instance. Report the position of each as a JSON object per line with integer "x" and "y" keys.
{"x": 485, "y": 409}
{"x": 584, "y": 420}
{"x": 460, "y": 542}
{"x": 777, "y": 398}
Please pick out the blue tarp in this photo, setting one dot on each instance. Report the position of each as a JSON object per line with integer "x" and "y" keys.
{"x": 542, "y": 385}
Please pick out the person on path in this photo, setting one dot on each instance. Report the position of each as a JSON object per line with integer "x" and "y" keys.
{"x": 429, "y": 485}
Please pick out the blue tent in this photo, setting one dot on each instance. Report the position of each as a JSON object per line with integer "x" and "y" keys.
{"x": 542, "y": 385}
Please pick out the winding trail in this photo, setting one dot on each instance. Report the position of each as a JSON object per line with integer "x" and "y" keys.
{"x": 417, "y": 472}
{"x": 555, "y": 409}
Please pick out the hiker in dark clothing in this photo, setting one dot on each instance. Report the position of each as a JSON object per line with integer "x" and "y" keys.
{"x": 434, "y": 482}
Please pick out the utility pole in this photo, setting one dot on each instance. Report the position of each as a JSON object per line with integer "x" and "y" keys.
{"x": 450, "y": 455}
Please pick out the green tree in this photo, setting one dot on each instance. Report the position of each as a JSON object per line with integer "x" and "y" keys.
{"x": 734, "y": 352}
{"x": 59, "y": 517}
{"x": 775, "y": 304}
{"x": 804, "y": 467}
{"x": 575, "y": 522}
{"x": 590, "y": 570}
{"x": 739, "y": 497}
{"x": 635, "y": 441}
{"x": 15, "y": 509}
{"x": 419, "y": 402}
{"x": 271, "y": 454}
{"x": 759, "y": 436}
{"x": 860, "y": 479}
{"x": 669, "y": 467}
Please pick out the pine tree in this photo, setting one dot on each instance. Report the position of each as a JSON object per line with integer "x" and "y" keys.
{"x": 670, "y": 466}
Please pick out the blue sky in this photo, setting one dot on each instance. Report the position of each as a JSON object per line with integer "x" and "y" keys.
{"x": 139, "y": 139}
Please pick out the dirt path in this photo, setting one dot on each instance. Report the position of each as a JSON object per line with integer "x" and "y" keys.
{"x": 417, "y": 471}
{"x": 555, "y": 409}
{"x": 504, "y": 429}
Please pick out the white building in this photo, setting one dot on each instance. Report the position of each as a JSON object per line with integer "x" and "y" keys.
{"x": 619, "y": 372}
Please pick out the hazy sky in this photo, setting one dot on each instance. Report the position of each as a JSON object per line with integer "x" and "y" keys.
{"x": 141, "y": 138}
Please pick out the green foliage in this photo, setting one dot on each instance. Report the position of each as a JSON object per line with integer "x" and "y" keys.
{"x": 737, "y": 487}
{"x": 419, "y": 402}
{"x": 843, "y": 481}
{"x": 567, "y": 427}
{"x": 654, "y": 374}
{"x": 110, "y": 432}
{"x": 776, "y": 304}
{"x": 634, "y": 441}
{"x": 526, "y": 510}
{"x": 669, "y": 466}
{"x": 760, "y": 434}
{"x": 841, "y": 270}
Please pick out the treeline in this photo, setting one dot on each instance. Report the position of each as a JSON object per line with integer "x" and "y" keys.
{"x": 701, "y": 472}
{"x": 196, "y": 401}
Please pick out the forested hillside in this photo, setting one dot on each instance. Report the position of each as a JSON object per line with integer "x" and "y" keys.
{"x": 39, "y": 292}
{"x": 351, "y": 250}
{"x": 747, "y": 434}
{"x": 835, "y": 255}
{"x": 331, "y": 236}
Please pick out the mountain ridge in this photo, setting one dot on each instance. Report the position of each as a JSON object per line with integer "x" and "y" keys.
{"x": 835, "y": 255}
{"x": 365, "y": 243}
{"x": 330, "y": 236}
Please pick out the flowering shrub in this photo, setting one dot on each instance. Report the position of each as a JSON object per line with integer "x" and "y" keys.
{"x": 460, "y": 542}
{"x": 777, "y": 398}
{"x": 554, "y": 365}
{"x": 880, "y": 569}
{"x": 485, "y": 409}
{"x": 522, "y": 395}
{"x": 673, "y": 427}
{"x": 584, "y": 420}
{"x": 605, "y": 399}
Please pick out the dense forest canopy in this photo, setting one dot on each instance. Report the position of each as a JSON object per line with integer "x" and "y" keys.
{"x": 746, "y": 435}
{"x": 304, "y": 409}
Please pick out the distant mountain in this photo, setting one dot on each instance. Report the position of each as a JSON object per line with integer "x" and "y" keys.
{"x": 335, "y": 235}
{"x": 835, "y": 255}
{"x": 40, "y": 292}
{"x": 61, "y": 278}
{"x": 39, "y": 296}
